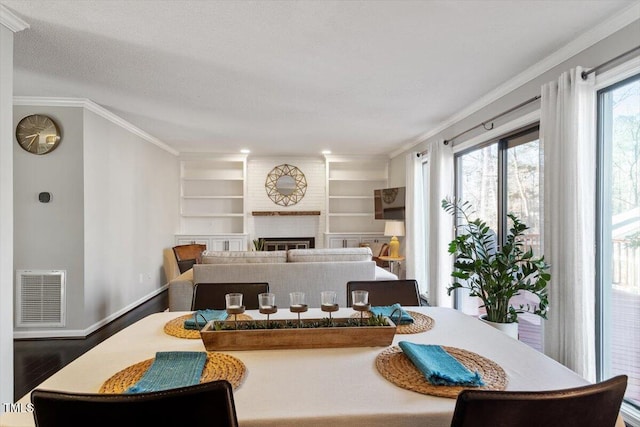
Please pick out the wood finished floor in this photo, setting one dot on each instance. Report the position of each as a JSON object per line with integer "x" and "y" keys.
{"x": 35, "y": 360}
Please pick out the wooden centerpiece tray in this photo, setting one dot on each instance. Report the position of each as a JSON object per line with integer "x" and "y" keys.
{"x": 288, "y": 334}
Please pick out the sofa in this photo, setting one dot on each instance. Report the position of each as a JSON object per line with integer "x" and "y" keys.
{"x": 306, "y": 270}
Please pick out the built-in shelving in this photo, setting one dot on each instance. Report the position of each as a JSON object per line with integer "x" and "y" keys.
{"x": 212, "y": 198}
{"x": 350, "y": 207}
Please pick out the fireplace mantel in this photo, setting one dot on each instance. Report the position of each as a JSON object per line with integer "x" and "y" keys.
{"x": 285, "y": 213}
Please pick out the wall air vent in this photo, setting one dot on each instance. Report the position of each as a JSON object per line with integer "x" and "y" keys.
{"x": 40, "y": 298}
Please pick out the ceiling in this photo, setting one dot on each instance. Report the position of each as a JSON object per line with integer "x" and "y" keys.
{"x": 288, "y": 77}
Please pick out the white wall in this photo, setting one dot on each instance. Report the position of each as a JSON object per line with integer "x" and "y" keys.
{"x": 49, "y": 236}
{"x": 6, "y": 215}
{"x": 314, "y": 200}
{"x": 131, "y": 210}
{"x": 599, "y": 52}
{"x": 114, "y": 207}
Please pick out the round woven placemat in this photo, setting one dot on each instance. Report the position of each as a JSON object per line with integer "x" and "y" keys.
{"x": 219, "y": 366}
{"x": 396, "y": 367}
{"x": 175, "y": 327}
{"x": 421, "y": 323}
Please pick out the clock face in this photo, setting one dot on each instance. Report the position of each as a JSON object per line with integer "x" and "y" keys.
{"x": 38, "y": 134}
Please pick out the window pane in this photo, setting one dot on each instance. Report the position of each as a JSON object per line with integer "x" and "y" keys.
{"x": 478, "y": 180}
{"x": 620, "y": 240}
{"x": 477, "y": 183}
{"x": 523, "y": 188}
{"x": 523, "y": 200}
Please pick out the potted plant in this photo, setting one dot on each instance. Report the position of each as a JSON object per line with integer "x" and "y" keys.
{"x": 496, "y": 273}
{"x": 258, "y": 244}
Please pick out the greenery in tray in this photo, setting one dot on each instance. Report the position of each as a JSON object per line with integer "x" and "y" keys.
{"x": 246, "y": 325}
{"x": 496, "y": 273}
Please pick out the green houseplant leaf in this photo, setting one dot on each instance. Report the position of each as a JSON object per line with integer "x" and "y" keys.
{"x": 496, "y": 273}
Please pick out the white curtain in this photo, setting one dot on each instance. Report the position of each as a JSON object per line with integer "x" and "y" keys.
{"x": 438, "y": 182}
{"x": 414, "y": 222}
{"x": 567, "y": 135}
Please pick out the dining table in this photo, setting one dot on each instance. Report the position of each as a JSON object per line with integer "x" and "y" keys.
{"x": 319, "y": 386}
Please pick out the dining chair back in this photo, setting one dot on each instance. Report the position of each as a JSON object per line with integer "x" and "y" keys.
{"x": 387, "y": 292}
{"x": 594, "y": 405}
{"x": 211, "y": 295}
{"x": 186, "y": 406}
{"x": 187, "y": 255}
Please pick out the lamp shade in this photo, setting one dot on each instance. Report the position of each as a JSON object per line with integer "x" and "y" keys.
{"x": 394, "y": 228}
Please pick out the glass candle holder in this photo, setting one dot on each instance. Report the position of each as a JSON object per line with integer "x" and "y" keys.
{"x": 234, "y": 305}
{"x": 328, "y": 302}
{"x": 297, "y": 303}
{"x": 267, "y": 304}
{"x": 360, "y": 302}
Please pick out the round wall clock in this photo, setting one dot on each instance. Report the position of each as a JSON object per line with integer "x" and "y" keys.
{"x": 38, "y": 134}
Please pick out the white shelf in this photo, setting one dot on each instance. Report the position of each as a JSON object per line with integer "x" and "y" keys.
{"x": 351, "y": 197}
{"x": 212, "y": 197}
{"x": 212, "y": 192}
{"x": 212, "y": 179}
{"x": 212, "y": 215}
{"x": 351, "y": 182}
{"x": 215, "y": 241}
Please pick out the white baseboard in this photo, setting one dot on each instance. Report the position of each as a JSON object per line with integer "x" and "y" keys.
{"x": 82, "y": 333}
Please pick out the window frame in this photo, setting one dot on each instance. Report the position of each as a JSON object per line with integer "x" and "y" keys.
{"x": 603, "y": 233}
{"x": 509, "y": 139}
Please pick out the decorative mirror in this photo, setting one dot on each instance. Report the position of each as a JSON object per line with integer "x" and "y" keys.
{"x": 286, "y": 185}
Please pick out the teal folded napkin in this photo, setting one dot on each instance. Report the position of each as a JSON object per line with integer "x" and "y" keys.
{"x": 438, "y": 366}
{"x": 393, "y": 312}
{"x": 171, "y": 369}
{"x": 204, "y": 316}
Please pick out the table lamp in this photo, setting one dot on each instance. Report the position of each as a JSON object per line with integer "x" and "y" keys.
{"x": 394, "y": 228}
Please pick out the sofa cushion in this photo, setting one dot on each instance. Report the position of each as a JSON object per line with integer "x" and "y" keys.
{"x": 383, "y": 274}
{"x": 329, "y": 255}
{"x": 243, "y": 257}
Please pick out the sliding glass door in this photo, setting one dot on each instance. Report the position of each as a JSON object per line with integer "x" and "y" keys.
{"x": 619, "y": 234}
{"x": 500, "y": 177}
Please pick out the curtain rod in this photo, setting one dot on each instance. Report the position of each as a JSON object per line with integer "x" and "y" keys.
{"x": 483, "y": 124}
{"x": 585, "y": 74}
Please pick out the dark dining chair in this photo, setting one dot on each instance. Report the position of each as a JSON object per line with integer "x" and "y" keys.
{"x": 595, "y": 405}
{"x": 387, "y": 292}
{"x": 211, "y": 295}
{"x": 188, "y": 255}
{"x": 209, "y": 403}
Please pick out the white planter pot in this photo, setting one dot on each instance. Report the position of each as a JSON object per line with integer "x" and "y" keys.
{"x": 511, "y": 329}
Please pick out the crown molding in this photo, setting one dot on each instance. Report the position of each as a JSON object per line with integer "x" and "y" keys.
{"x": 94, "y": 108}
{"x": 581, "y": 43}
{"x": 11, "y": 21}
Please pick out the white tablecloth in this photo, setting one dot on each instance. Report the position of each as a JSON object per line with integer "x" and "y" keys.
{"x": 320, "y": 387}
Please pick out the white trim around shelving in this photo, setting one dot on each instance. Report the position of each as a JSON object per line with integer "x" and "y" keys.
{"x": 212, "y": 197}
{"x": 214, "y": 215}
{"x": 351, "y": 197}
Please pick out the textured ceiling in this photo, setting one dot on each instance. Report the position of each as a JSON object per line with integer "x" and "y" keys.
{"x": 288, "y": 77}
